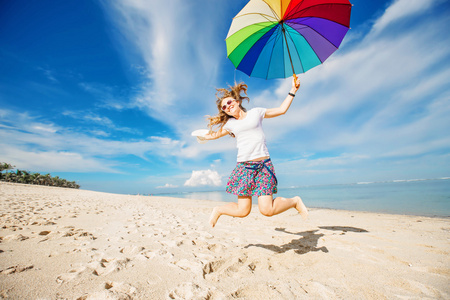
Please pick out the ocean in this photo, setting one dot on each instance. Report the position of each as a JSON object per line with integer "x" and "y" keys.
{"x": 429, "y": 197}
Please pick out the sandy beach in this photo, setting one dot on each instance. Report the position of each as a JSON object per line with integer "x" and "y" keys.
{"x": 60, "y": 243}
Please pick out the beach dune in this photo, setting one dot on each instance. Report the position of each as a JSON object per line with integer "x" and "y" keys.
{"x": 60, "y": 243}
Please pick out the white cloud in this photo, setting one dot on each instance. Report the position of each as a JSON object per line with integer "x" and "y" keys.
{"x": 399, "y": 10}
{"x": 44, "y": 127}
{"x": 167, "y": 186}
{"x": 204, "y": 178}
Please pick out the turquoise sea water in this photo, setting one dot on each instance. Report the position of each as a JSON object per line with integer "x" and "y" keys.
{"x": 413, "y": 197}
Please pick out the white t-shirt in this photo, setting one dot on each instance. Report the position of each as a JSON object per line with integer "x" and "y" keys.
{"x": 250, "y": 138}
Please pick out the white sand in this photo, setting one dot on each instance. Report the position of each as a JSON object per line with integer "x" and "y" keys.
{"x": 73, "y": 244}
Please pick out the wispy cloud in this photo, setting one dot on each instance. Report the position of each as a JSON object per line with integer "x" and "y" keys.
{"x": 49, "y": 74}
{"x": 102, "y": 121}
{"x": 55, "y": 161}
{"x": 401, "y": 9}
{"x": 108, "y": 97}
{"x": 178, "y": 50}
{"x": 24, "y": 138}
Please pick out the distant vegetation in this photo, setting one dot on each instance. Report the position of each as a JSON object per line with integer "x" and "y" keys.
{"x": 20, "y": 176}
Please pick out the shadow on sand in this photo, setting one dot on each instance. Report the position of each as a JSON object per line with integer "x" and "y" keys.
{"x": 308, "y": 241}
{"x": 343, "y": 228}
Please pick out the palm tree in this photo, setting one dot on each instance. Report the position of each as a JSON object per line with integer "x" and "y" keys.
{"x": 28, "y": 177}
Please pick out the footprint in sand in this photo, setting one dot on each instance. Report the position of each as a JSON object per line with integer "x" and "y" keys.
{"x": 268, "y": 290}
{"x": 109, "y": 265}
{"x": 113, "y": 290}
{"x": 190, "y": 290}
{"x": 120, "y": 288}
{"x": 73, "y": 273}
{"x": 190, "y": 265}
{"x": 216, "y": 248}
{"x": 16, "y": 269}
{"x": 215, "y": 270}
{"x": 14, "y": 237}
{"x": 131, "y": 250}
{"x": 79, "y": 234}
{"x": 148, "y": 254}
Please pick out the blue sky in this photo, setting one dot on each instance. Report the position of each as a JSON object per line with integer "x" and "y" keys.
{"x": 106, "y": 93}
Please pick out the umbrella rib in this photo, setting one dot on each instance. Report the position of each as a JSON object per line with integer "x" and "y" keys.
{"x": 287, "y": 47}
{"x": 266, "y": 16}
{"x": 274, "y": 12}
{"x": 254, "y": 33}
{"x": 299, "y": 58}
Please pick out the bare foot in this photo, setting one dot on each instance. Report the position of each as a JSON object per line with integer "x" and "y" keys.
{"x": 214, "y": 217}
{"x": 301, "y": 208}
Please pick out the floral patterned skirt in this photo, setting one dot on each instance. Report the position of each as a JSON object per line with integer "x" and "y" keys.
{"x": 253, "y": 178}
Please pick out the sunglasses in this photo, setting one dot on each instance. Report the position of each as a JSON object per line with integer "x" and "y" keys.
{"x": 228, "y": 104}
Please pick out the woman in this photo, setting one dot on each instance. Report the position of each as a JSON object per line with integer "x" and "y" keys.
{"x": 254, "y": 174}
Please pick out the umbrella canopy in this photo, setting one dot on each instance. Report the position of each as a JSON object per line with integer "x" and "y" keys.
{"x": 278, "y": 38}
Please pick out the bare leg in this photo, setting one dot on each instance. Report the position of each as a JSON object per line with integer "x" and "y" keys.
{"x": 270, "y": 207}
{"x": 240, "y": 209}
{"x": 301, "y": 208}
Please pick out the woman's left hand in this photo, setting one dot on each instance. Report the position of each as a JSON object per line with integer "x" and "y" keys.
{"x": 295, "y": 83}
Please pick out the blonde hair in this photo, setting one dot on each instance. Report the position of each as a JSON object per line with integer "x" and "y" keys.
{"x": 234, "y": 92}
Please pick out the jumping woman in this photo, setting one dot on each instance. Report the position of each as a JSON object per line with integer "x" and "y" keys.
{"x": 254, "y": 174}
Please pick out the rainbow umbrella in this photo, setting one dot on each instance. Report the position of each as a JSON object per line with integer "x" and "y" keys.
{"x": 277, "y": 38}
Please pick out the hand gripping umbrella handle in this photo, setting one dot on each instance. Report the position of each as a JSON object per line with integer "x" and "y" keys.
{"x": 295, "y": 81}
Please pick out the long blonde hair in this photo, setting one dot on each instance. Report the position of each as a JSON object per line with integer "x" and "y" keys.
{"x": 234, "y": 92}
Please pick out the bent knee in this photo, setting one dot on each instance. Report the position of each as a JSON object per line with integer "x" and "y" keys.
{"x": 247, "y": 211}
{"x": 243, "y": 212}
{"x": 266, "y": 211}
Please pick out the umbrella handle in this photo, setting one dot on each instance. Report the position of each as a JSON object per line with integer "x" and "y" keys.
{"x": 295, "y": 81}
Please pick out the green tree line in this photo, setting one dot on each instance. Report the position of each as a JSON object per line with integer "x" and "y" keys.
{"x": 21, "y": 176}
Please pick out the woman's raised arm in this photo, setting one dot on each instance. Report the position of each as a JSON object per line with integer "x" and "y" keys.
{"x": 283, "y": 108}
